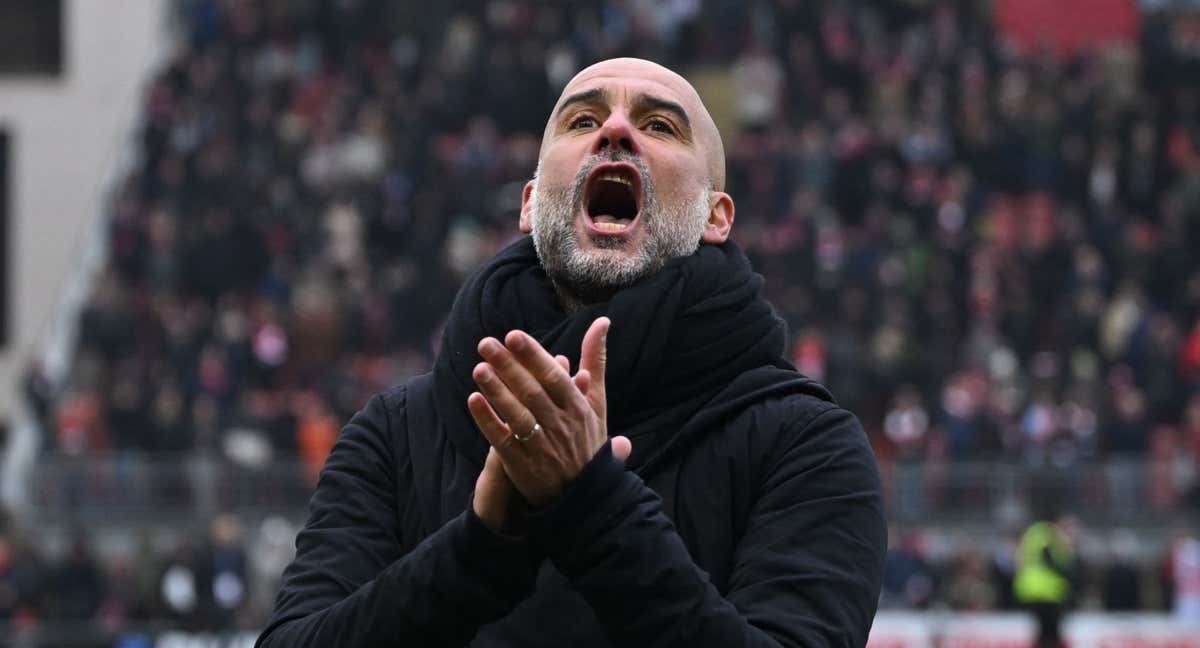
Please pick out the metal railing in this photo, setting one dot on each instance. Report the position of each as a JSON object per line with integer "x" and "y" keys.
{"x": 86, "y": 634}
{"x": 123, "y": 486}
{"x": 1116, "y": 492}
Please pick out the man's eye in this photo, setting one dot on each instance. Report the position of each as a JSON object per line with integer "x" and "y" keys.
{"x": 660, "y": 126}
{"x": 583, "y": 121}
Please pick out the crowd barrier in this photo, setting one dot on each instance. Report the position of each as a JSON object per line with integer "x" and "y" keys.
{"x": 891, "y": 630}
{"x": 1015, "y": 630}
{"x": 120, "y": 486}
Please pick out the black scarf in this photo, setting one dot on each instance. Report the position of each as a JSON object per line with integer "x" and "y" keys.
{"x": 696, "y": 329}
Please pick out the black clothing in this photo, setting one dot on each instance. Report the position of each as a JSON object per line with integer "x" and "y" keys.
{"x": 677, "y": 338}
{"x": 1121, "y": 590}
{"x": 749, "y": 516}
{"x": 1049, "y": 619}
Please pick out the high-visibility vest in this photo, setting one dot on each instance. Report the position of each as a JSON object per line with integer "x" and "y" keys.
{"x": 1037, "y": 581}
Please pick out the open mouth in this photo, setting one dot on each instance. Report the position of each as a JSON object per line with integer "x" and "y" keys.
{"x": 612, "y": 199}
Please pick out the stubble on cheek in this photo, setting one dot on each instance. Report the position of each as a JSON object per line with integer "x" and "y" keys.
{"x": 608, "y": 263}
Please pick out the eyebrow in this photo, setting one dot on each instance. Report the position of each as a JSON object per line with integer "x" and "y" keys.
{"x": 663, "y": 104}
{"x": 642, "y": 101}
{"x": 582, "y": 97}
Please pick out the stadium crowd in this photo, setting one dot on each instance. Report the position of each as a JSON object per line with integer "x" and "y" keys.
{"x": 985, "y": 251}
{"x": 224, "y": 578}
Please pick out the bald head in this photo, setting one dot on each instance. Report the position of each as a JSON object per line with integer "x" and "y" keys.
{"x": 631, "y": 174}
{"x": 659, "y": 84}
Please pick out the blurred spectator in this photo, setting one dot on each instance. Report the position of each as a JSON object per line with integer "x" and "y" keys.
{"x": 942, "y": 216}
{"x": 13, "y": 591}
{"x": 985, "y": 251}
{"x": 229, "y": 571}
{"x": 907, "y": 424}
{"x": 269, "y": 552}
{"x": 181, "y": 586}
{"x": 758, "y": 84}
{"x": 78, "y": 585}
{"x": 908, "y": 579}
{"x": 1121, "y": 589}
{"x": 1047, "y": 577}
{"x": 22, "y": 582}
{"x": 1184, "y": 566}
{"x": 970, "y": 587}
{"x": 315, "y": 434}
{"x": 1003, "y": 569}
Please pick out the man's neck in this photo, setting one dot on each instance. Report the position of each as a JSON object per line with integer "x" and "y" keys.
{"x": 570, "y": 303}
{"x": 573, "y": 302}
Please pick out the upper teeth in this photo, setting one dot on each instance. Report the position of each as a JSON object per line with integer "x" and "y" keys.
{"x": 612, "y": 177}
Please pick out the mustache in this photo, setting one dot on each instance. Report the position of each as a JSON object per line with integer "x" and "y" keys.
{"x": 605, "y": 158}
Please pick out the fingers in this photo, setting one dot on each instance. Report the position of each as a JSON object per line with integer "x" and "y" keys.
{"x": 503, "y": 400}
{"x": 521, "y": 384}
{"x": 515, "y": 393}
{"x": 494, "y": 430}
{"x": 550, "y": 374}
{"x": 533, "y": 375}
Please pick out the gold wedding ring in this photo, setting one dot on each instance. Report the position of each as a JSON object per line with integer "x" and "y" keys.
{"x": 537, "y": 427}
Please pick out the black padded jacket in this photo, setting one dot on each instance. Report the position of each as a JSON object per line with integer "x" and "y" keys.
{"x": 761, "y": 525}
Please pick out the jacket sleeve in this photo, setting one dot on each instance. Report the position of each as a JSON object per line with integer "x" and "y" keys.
{"x": 807, "y": 571}
{"x": 351, "y": 582}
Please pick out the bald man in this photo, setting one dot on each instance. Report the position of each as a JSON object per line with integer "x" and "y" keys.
{"x": 611, "y": 449}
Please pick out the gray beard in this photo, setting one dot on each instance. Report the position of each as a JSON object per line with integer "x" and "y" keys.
{"x": 594, "y": 275}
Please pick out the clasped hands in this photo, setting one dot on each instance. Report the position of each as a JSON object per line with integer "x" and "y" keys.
{"x": 521, "y": 385}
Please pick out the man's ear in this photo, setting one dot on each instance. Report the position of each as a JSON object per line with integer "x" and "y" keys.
{"x": 720, "y": 218}
{"x": 526, "y": 216}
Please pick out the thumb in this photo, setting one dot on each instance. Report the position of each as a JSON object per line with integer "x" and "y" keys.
{"x": 593, "y": 358}
{"x": 494, "y": 493}
{"x": 583, "y": 381}
{"x": 495, "y": 478}
{"x": 621, "y": 447}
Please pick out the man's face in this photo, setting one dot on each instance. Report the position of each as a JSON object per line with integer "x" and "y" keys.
{"x": 625, "y": 179}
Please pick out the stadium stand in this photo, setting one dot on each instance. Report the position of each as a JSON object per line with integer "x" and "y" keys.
{"x": 985, "y": 250}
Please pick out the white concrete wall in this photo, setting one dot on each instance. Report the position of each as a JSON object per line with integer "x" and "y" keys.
{"x": 71, "y": 138}
{"x": 67, "y": 135}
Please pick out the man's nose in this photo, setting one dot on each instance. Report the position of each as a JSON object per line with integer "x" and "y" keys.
{"x": 616, "y": 134}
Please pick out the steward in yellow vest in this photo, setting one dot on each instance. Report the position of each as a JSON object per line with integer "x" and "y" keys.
{"x": 1046, "y": 567}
